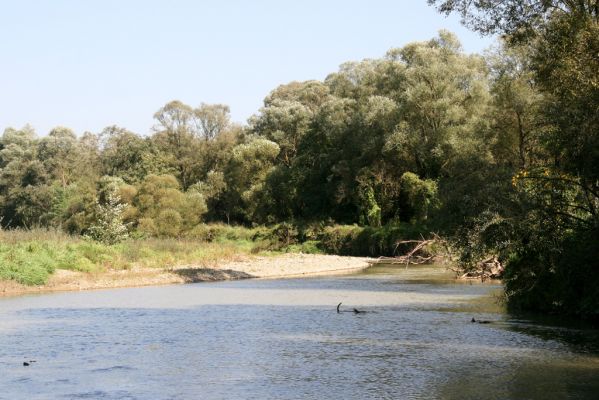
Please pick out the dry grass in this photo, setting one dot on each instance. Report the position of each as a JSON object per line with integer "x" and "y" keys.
{"x": 29, "y": 257}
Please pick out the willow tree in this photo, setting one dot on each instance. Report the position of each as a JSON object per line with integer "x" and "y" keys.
{"x": 176, "y": 139}
{"x": 549, "y": 239}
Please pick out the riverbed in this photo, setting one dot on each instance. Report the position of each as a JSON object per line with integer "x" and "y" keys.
{"x": 284, "y": 339}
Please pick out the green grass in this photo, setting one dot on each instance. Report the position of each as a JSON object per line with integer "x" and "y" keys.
{"x": 30, "y": 257}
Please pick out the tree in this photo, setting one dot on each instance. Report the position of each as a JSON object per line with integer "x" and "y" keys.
{"x": 128, "y": 155}
{"x": 443, "y": 107}
{"x": 519, "y": 19}
{"x": 59, "y": 152}
{"x": 418, "y": 196}
{"x": 211, "y": 119}
{"x": 176, "y": 139}
{"x": 109, "y": 227}
{"x": 287, "y": 114}
{"x": 250, "y": 164}
{"x": 24, "y": 198}
{"x": 549, "y": 236}
{"x": 164, "y": 210}
{"x": 517, "y": 107}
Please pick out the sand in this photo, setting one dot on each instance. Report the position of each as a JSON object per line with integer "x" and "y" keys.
{"x": 272, "y": 267}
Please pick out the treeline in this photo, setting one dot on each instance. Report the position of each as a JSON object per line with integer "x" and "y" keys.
{"x": 499, "y": 152}
{"x": 380, "y": 142}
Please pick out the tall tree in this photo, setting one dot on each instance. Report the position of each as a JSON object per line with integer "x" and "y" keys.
{"x": 212, "y": 119}
{"x": 128, "y": 155}
{"x": 176, "y": 139}
{"x": 551, "y": 235}
{"x": 59, "y": 151}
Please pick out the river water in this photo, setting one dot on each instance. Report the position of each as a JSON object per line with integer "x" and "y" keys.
{"x": 283, "y": 339}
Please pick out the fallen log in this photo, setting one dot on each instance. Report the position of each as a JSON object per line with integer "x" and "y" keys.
{"x": 353, "y": 310}
{"x": 412, "y": 256}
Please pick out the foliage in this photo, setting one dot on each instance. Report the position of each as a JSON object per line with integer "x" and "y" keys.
{"x": 109, "y": 227}
{"x": 353, "y": 240}
{"x": 418, "y": 195}
{"x": 164, "y": 210}
{"x": 519, "y": 18}
{"x": 31, "y": 256}
{"x": 498, "y": 152}
{"x": 547, "y": 93}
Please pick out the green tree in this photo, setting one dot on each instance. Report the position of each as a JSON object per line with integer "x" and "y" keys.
{"x": 177, "y": 141}
{"x": 443, "y": 107}
{"x": 164, "y": 210}
{"x": 109, "y": 227}
{"x": 520, "y": 19}
{"x": 128, "y": 155}
{"x": 212, "y": 119}
{"x": 517, "y": 107}
{"x": 250, "y": 164}
{"x": 59, "y": 152}
{"x": 550, "y": 233}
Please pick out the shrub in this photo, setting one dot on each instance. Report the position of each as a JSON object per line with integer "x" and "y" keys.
{"x": 109, "y": 228}
{"x": 352, "y": 240}
{"x": 168, "y": 223}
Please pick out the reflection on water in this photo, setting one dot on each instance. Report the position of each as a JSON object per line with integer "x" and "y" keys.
{"x": 283, "y": 339}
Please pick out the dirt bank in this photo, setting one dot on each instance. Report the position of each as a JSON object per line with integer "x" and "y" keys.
{"x": 287, "y": 265}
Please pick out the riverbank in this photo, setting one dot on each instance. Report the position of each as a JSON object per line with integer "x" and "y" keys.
{"x": 243, "y": 267}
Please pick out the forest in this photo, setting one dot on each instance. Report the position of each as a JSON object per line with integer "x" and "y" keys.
{"x": 498, "y": 153}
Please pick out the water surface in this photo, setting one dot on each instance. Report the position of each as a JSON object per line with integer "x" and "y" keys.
{"x": 283, "y": 339}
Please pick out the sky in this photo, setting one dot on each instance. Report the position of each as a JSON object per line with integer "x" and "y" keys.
{"x": 95, "y": 63}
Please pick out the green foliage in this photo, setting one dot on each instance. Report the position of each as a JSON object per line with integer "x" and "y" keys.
{"x": 168, "y": 223}
{"x": 352, "y": 240}
{"x": 372, "y": 211}
{"x": 26, "y": 263}
{"x": 128, "y": 156}
{"x": 109, "y": 227}
{"x": 499, "y": 153}
{"x": 419, "y": 196}
{"x": 561, "y": 280}
{"x": 245, "y": 173}
{"x": 164, "y": 210}
{"x": 30, "y": 257}
{"x": 545, "y": 108}
{"x": 222, "y": 232}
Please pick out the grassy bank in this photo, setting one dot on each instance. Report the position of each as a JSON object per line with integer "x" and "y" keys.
{"x": 30, "y": 257}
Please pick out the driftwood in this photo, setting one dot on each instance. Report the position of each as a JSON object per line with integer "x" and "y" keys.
{"x": 354, "y": 310}
{"x": 489, "y": 268}
{"x": 479, "y": 321}
{"x": 416, "y": 255}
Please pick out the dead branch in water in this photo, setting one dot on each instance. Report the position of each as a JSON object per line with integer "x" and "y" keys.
{"x": 489, "y": 268}
{"x": 416, "y": 255}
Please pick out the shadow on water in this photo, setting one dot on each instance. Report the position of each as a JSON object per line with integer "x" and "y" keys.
{"x": 580, "y": 336}
{"x": 284, "y": 339}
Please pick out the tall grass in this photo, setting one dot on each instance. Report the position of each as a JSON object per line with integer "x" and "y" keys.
{"x": 30, "y": 257}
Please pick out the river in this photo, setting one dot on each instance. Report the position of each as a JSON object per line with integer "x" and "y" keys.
{"x": 283, "y": 339}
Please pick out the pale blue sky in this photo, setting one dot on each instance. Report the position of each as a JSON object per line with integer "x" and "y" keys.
{"x": 90, "y": 64}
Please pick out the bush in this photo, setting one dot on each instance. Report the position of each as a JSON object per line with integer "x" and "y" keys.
{"x": 221, "y": 232}
{"x": 168, "y": 223}
{"x": 109, "y": 228}
{"x": 563, "y": 281}
{"x": 352, "y": 240}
